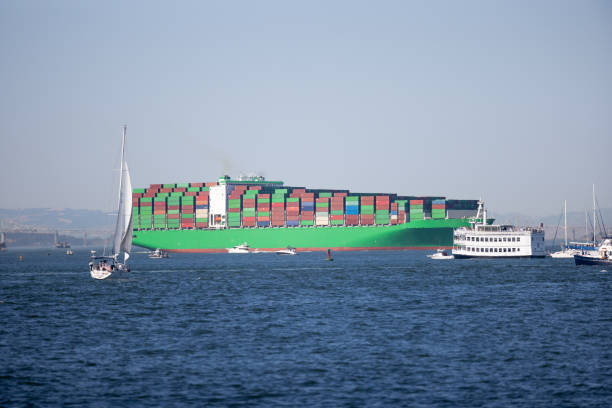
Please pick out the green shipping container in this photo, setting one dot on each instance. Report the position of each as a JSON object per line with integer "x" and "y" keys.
{"x": 324, "y": 194}
{"x": 186, "y": 215}
{"x": 168, "y": 185}
{"x": 263, "y": 213}
{"x": 307, "y": 222}
{"x": 139, "y": 190}
{"x": 182, "y": 185}
{"x": 337, "y": 222}
{"x": 337, "y": 212}
{"x": 146, "y": 200}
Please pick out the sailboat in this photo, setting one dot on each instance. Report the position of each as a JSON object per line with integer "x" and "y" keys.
{"x": 566, "y": 252}
{"x": 122, "y": 238}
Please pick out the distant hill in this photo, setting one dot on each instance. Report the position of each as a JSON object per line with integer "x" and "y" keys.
{"x": 574, "y": 219}
{"x": 51, "y": 219}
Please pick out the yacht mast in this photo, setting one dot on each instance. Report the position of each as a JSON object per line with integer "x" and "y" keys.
{"x": 565, "y": 212}
{"x": 593, "y": 213}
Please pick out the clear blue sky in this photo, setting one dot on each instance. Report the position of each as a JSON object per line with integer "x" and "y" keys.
{"x": 506, "y": 100}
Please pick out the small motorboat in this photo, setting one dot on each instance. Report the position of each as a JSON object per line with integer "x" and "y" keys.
{"x": 287, "y": 251}
{"x": 69, "y": 251}
{"x": 602, "y": 256}
{"x": 240, "y": 249}
{"x": 329, "y": 256}
{"x": 158, "y": 254}
{"x": 441, "y": 254}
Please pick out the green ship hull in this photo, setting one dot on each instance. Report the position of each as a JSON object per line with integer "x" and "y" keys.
{"x": 418, "y": 234}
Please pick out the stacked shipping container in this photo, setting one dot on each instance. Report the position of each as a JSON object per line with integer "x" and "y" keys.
{"x": 186, "y": 206}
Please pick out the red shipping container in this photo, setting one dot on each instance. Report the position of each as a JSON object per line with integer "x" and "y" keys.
{"x": 254, "y": 187}
{"x": 146, "y": 204}
{"x": 292, "y": 217}
{"x": 159, "y": 212}
{"x": 339, "y": 194}
{"x": 135, "y": 203}
{"x": 165, "y": 190}
{"x": 263, "y": 218}
{"x": 203, "y": 193}
{"x": 155, "y": 185}
{"x": 173, "y": 207}
{"x": 278, "y": 205}
{"x": 416, "y": 202}
{"x": 438, "y": 206}
{"x": 336, "y": 217}
{"x": 201, "y": 202}
{"x": 293, "y": 204}
{"x": 263, "y": 207}
{"x": 382, "y": 198}
{"x": 263, "y": 195}
{"x": 293, "y": 211}
{"x": 211, "y": 184}
{"x": 248, "y": 218}
{"x": 322, "y": 200}
{"x": 201, "y": 225}
{"x": 191, "y": 194}
{"x": 233, "y": 210}
{"x": 179, "y": 189}
{"x": 307, "y": 217}
{"x": 187, "y": 207}
{"x": 173, "y": 216}
{"x": 197, "y": 184}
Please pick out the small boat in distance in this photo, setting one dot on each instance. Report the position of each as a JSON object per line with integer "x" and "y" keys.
{"x": 601, "y": 256}
{"x": 329, "y": 257}
{"x": 158, "y": 254}
{"x": 69, "y": 251}
{"x": 122, "y": 239}
{"x": 240, "y": 249}
{"x": 288, "y": 251}
{"x": 566, "y": 252}
{"x": 441, "y": 254}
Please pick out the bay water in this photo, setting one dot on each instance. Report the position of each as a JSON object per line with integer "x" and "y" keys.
{"x": 369, "y": 329}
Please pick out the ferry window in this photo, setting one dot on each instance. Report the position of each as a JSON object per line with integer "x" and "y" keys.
{"x": 504, "y": 239}
{"x": 518, "y": 249}
{"x": 477, "y": 239}
{"x": 495, "y": 239}
{"x": 505, "y": 250}
{"x": 518, "y": 239}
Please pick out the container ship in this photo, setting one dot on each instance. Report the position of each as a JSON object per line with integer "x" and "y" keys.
{"x": 268, "y": 216}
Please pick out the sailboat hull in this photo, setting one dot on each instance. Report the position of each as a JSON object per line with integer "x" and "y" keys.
{"x": 100, "y": 273}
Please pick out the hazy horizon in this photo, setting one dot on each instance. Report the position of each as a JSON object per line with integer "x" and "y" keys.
{"x": 505, "y": 101}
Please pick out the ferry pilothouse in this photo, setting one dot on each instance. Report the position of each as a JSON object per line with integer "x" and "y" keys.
{"x": 481, "y": 240}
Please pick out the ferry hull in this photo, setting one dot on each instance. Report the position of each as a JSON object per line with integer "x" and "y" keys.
{"x": 497, "y": 257}
{"x": 422, "y": 234}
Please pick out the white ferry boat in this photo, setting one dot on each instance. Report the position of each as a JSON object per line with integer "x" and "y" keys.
{"x": 481, "y": 240}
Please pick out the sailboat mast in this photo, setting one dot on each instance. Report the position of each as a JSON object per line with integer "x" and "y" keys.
{"x": 124, "y": 131}
{"x": 565, "y": 215}
{"x": 593, "y": 213}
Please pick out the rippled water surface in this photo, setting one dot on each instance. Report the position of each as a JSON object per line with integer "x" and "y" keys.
{"x": 368, "y": 329}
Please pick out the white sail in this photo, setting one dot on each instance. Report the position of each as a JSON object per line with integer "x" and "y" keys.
{"x": 122, "y": 240}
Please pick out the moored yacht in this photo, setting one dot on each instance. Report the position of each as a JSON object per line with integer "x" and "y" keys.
{"x": 481, "y": 240}
{"x": 602, "y": 255}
